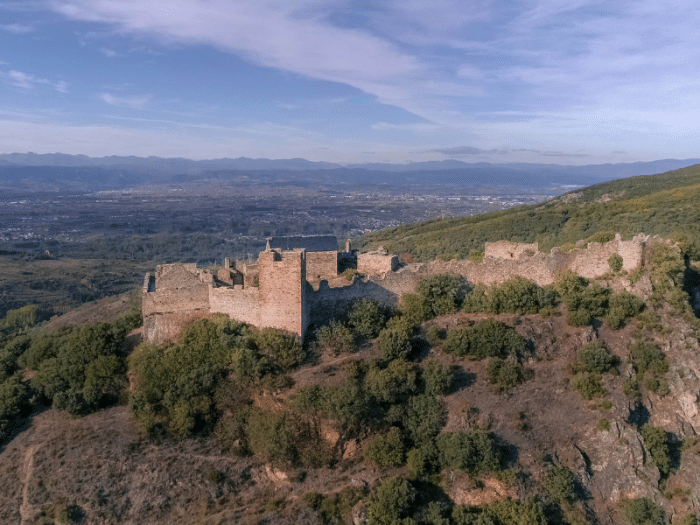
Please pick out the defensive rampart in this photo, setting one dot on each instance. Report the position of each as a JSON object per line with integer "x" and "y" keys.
{"x": 275, "y": 292}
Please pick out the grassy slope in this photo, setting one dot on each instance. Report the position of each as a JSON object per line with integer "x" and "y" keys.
{"x": 667, "y": 204}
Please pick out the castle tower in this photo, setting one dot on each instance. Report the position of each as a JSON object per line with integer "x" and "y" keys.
{"x": 282, "y": 285}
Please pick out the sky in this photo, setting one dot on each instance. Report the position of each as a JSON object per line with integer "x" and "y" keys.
{"x": 546, "y": 81}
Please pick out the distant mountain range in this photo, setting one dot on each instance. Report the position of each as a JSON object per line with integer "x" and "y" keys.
{"x": 58, "y": 171}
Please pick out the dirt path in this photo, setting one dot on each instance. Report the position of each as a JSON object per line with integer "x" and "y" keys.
{"x": 26, "y": 511}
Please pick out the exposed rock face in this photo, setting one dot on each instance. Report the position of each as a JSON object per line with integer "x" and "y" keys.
{"x": 462, "y": 491}
{"x": 615, "y": 465}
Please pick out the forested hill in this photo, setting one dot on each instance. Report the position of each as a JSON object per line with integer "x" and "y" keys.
{"x": 667, "y": 204}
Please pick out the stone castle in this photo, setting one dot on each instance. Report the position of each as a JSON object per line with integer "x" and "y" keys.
{"x": 296, "y": 283}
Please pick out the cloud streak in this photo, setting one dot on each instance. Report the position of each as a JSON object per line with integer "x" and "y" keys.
{"x": 26, "y": 82}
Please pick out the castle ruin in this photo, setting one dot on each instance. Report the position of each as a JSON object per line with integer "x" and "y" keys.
{"x": 295, "y": 282}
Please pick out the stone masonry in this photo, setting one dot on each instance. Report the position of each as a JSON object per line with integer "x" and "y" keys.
{"x": 276, "y": 292}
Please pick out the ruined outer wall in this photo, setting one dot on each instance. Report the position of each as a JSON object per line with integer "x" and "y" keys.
{"x": 593, "y": 261}
{"x": 242, "y": 305}
{"x": 282, "y": 293}
{"x": 321, "y": 265}
{"x": 510, "y": 250}
{"x": 376, "y": 263}
{"x": 167, "y": 312}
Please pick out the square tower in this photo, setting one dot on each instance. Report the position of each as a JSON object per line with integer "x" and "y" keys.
{"x": 282, "y": 285}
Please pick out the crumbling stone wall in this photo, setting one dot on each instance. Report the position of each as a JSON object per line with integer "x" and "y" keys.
{"x": 321, "y": 265}
{"x": 376, "y": 263}
{"x": 510, "y": 250}
{"x": 178, "y": 294}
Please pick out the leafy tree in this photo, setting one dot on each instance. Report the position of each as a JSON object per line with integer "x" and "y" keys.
{"x": 394, "y": 344}
{"x": 588, "y": 385}
{"x": 367, "y": 318}
{"x": 282, "y": 348}
{"x": 623, "y": 306}
{"x": 269, "y": 436}
{"x": 335, "y": 338}
{"x": 615, "y": 262}
{"x": 393, "y": 383}
{"x": 387, "y": 450}
{"x": 442, "y": 293}
{"x": 422, "y": 416}
{"x": 472, "y": 451}
{"x": 438, "y": 378}
{"x": 391, "y": 502}
{"x": 488, "y": 338}
{"x": 14, "y": 399}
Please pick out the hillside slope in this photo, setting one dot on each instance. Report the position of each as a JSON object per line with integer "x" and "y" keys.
{"x": 666, "y": 204}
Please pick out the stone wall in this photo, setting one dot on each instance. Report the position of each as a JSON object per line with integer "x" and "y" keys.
{"x": 376, "y": 263}
{"x": 510, "y": 250}
{"x": 283, "y": 303}
{"x": 321, "y": 265}
{"x": 179, "y": 294}
{"x": 181, "y": 297}
{"x": 239, "y": 303}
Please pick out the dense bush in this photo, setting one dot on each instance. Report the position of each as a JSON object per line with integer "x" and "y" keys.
{"x": 505, "y": 373}
{"x": 81, "y": 368}
{"x": 588, "y": 385}
{"x": 513, "y": 512}
{"x": 488, "y": 338}
{"x": 367, "y": 318}
{"x": 394, "y": 344}
{"x": 623, "y": 306}
{"x": 648, "y": 357}
{"x": 335, "y": 338}
{"x": 516, "y": 295}
{"x": 442, "y": 293}
{"x": 615, "y": 262}
{"x": 437, "y": 377}
{"x": 422, "y": 416}
{"x": 594, "y": 358}
{"x": 387, "y": 450}
{"x": 282, "y": 348}
{"x": 14, "y": 399}
{"x": 643, "y": 511}
{"x": 269, "y": 436}
{"x": 391, "y": 502}
{"x": 656, "y": 440}
{"x": 560, "y": 485}
{"x": 415, "y": 309}
{"x": 472, "y": 451}
{"x": 394, "y": 383}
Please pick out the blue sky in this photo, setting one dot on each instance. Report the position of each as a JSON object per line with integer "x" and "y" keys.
{"x": 576, "y": 82}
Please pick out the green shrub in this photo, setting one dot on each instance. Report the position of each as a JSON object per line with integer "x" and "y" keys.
{"x": 621, "y": 307}
{"x": 14, "y": 399}
{"x": 422, "y": 416}
{"x": 442, "y": 293}
{"x": 516, "y": 295}
{"x": 351, "y": 273}
{"x": 438, "y": 378}
{"x": 643, "y": 511}
{"x": 394, "y": 344}
{"x": 603, "y": 425}
{"x": 489, "y": 338}
{"x": 647, "y": 356}
{"x": 560, "y": 485}
{"x": 284, "y": 349}
{"x": 615, "y": 262}
{"x": 387, "y": 450}
{"x": 335, "y": 338}
{"x": 367, "y": 318}
{"x": 594, "y": 358}
{"x": 394, "y": 383}
{"x": 588, "y": 385}
{"x": 417, "y": 463}
{"x": 656, "y": 440}
{"x": 434, "y": 335}
{"x": 505, "y": 374}
{"x": 415, "y": 308}
{"x": 269, "y": 436}
{"x": 472, "y": 451}
{"x": 513, "y": 512}
{"x": 391, "y": 502}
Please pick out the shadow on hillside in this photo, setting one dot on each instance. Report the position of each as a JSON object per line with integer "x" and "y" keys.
{"x": 20, "y": 425}
{"x": 462, "y": 379}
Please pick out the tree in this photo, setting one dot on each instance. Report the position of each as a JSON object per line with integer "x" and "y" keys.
{"x": 391, "y": 501}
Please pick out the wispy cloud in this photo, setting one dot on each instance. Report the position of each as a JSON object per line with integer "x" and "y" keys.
{"x": 135, "y": 102}
{"x": 16, "y": 29}
{"x": 109, "y": 53}
{"x": 464, "y": 151}
{"x": 26, "y": 82}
